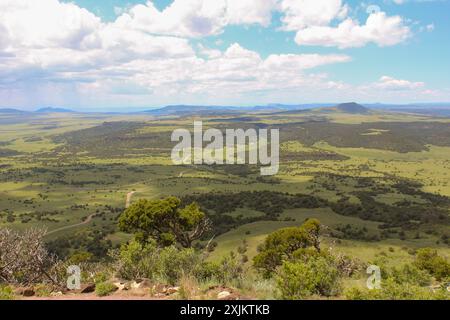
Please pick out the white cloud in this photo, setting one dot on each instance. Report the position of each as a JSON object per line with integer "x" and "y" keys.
{"x": 304, "y": 61}
{"x": 430, "y": 27}
{"x": 52, "y": 40}
{"x": 186, "y": 18}
{"x": 390, "y": 83}
{"x": 46, "y": 23}
{"x": 379, "y": 29}
{"x": 197, "y": 18}
{"x": 53, "y": 52}
{"x": 209, "y": 53}
{"x": 299, "y": 14}
{"x": 250, "y": 11}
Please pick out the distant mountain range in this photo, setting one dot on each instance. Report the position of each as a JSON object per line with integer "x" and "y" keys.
{"x": 435, "y": 109}
{"x": 11, "y": 111}
{"x": 54, "y": 110}
{"x": 211, "y": 110}
{"x": 42, "y": 110}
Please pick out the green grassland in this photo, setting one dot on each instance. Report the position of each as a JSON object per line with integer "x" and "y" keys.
{"x": 57, "y": 170}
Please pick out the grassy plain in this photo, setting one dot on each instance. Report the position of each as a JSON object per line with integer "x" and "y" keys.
{"x": 56, "y": 170}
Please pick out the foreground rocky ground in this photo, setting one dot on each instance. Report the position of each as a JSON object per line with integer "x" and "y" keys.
{"x": 135, "y": 290}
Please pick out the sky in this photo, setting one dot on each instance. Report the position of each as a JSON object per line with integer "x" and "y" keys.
{"x": 129, "y": 55}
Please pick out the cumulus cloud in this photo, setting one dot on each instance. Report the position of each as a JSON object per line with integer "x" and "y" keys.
{"x": 379, "y": 29}
{"x": 29, "y": 24}
{"x": 54, "y": 40}
{"x": 51, "y": 51}
{"x": 197, "y": 18}
{"x": 59, "y": 49}
{"x": 299, "y": 14}
{"x": 314, "y": 21}
{"x": 390, "y": 83}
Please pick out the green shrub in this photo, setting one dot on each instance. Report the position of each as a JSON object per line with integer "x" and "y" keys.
{"x": 103, "y": 289}
{"x": 101, "y": 276}
{"x": 429, "y": 260}
{"x": 392, "y": 290}
{"x": 411, "y": 275}
{"x": 6, "y": 293}
{"x": 207, "y": 271}
{"x": 43, "y": 290}
{"x": 281, "y": 245}
{"x": 231, "y": 270}
{"x": 80, "y": 257}
{"x": 135, "y": 260}
{"x": 173, "y": 263}
{"x": 316, "y": 276}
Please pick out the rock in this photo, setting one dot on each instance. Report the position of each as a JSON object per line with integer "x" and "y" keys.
{"x": 145, "y": 283}
{"x": 26, "y": 292}
{"x": 127, "y": 286}
{"x": 56, "y": 294}
{"x": 159, "y": 288}
{"x": 120, "y": 286}
{"x": 172, "y": 290}
{"x": 87, "y": 288}
{"x": 223, "y": 295}
{"x": 18, "y": 291}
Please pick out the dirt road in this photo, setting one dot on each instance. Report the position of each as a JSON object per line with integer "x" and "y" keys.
{"x": 88, "y": 219}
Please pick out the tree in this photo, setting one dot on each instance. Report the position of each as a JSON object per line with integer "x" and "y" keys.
{"x": 282, "y": 244}
{"x": 165, "y": 221}
{"x": 24, "y": 258}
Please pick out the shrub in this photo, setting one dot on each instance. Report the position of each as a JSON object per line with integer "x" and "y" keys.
{"x": 103, "y": 289}
{"x": 207, "y": 271}
{"x": 6, "y": 293}
{"x": 392, "y": 290}
{"x": 135, "y": 260}
{"x": 429, "y": 260}
{"x": 231, "y": 270}
{"x": 281, "y": 245}
{"x": 80, "y": 257}
{"x": 409, "y": 274}
{"x": 315, "y": 276}
{"x": 173, "y": 263}
{"x": 43, "y": 290}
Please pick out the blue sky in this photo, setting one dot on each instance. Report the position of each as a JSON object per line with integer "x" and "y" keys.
{"x": 114, "y": 54}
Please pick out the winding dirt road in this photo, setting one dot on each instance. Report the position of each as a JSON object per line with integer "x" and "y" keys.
{"x": 88, "y": 219}
{"x": 129, "y": 195}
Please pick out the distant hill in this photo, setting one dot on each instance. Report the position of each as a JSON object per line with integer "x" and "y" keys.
{"x": 188, "y": 109}
{"x": 11, "y": 111}
{"x": 352, "y": 107}
{"x": 224, "y": 110}
{"x": 53, "y": 110}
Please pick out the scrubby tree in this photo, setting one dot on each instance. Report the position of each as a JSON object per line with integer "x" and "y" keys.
{"x": 282, "y": 244}
{"x": 24, "y": 258}
{"x": 165, "y": 221}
